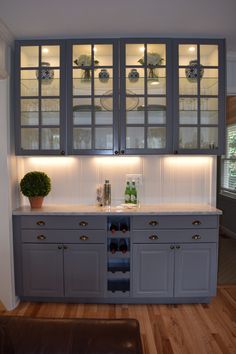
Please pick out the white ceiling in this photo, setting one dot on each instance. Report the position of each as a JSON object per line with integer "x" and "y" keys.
{"x": 121, "y": 18}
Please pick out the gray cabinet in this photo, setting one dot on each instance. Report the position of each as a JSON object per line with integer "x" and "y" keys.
{"x": 174, "y": 256}
{"x": 40, "y": 98}
{"x": 168, "y": 270}
{"x": 153, "y": 274}
{"x": 84, "y": 270}
{"x": 42, "y": 270}
{"x": 60, "y": 256}
{"x": 120, "y": 96}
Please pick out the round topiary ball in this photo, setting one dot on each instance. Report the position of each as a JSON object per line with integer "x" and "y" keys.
{"x": 35, "y": 184}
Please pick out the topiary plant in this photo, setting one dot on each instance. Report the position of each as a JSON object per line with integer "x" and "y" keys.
{"x": 35, "y": 184}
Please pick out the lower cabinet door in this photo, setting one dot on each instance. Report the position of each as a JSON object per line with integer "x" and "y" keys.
{"x": 84, "y": 269}
{"x": 153, "y": 270}
{"x": 42, "y": 270}
{"x": 195, "y": 270}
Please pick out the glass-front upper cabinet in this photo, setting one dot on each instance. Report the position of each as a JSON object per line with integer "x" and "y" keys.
{"x": 93, "y": 103}
{"x": 199, "y": 96}
{"x": 145, "y": 96}
{"x": 40, "y": 97}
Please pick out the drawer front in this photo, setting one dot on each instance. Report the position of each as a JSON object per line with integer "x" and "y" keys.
{"x": 63, "y": 236}
{"x": 175, "y": 236}
{"x": 63, "y": 222}
{"x": 175, "y": 222}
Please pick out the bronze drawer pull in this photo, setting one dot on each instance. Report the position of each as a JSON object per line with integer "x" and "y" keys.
{"x": 196, "y": 222}
{"x": 196, "y": 237}
{"x": 153, "y": 223}
{"x": 40, "y": 223}
{"x": 65, "y": 247}
{"x": 177, "y": 247}
{"x": 83, "y": 223}
{"x": 41, "y": 237}
{"x": 172, "y": 247}
{"x": 84, "y": 238}
{"x": 153, "y": 237}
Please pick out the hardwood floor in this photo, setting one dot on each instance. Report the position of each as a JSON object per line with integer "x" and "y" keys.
{"x": 165, "y": 329}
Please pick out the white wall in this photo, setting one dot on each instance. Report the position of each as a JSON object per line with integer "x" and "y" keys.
{"x": 7, "y": 290}
{"x": 166, "y": 179}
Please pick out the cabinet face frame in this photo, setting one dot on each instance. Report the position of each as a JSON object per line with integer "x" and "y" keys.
{"x": 221, "y": 96}
{"x": 119, "y": 119}
{"x": 167, "y": 95}
{"x": 115, "y": 89}
{"x": 62, "y": 150}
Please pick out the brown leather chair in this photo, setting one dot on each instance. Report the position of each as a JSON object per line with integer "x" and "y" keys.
{"x": 23, "y": 335}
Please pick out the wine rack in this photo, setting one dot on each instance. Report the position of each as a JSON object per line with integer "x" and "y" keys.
{"x": 118, "y": 256}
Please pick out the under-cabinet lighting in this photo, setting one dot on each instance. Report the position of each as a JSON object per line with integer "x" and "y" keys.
{"x": 188, "y": 160}
{"x": 45, "y": 50}
{"x": 50, "y": 161}
{"x": 191, "y": 49}
{"x": 117, "y": 160}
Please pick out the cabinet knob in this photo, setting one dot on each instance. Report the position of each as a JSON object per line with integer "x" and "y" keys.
{"x": 40, "y": 223}
{"x": 84, "y": 238}
{"x": 41, "y": 237}
{"x": 153, "y": 223}
{"x": 83, "y": 223}
{"x": 177, "y": 247}
{"x": 196, "y": 222}
{"x": 116, "y": 152}
{"x": 153, "y": 237}
{"x": 59, "y": 247}
{"x": 122, "y": 152}
{"x": 65, "y": 247}
{"x": 196, "y": 237}
{"x": 62, "y": 152}
{"x": 172, "y": 247}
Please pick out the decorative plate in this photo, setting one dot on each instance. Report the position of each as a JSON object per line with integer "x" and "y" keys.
{"x": 131, "y": 100}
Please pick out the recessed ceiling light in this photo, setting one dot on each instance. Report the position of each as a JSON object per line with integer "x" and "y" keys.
{"x": 191, "y": 49}
{"x": 142, "y": 49}
{"x": 45, "y": 50}
{"x": 94, "y": 49}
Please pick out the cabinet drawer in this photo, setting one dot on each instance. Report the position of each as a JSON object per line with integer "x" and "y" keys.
{"x": 63, "y": 222}
{"x": 175, "y": 236}
{"x": 175, "y": 221}
{"x": 63, "y": 236}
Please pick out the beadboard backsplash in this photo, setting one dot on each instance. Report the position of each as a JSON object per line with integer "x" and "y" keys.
{"x": 166, "y": 179}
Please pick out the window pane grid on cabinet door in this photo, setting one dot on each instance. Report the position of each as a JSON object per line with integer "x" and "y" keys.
{"x": 198, "y": 103}
{"x": 93, "y": 105}
{"x": 145, "y": 100}
{"x": 40, "y": 102}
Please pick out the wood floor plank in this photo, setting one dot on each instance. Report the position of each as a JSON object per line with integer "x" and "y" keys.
{"x": 165, "y": 329}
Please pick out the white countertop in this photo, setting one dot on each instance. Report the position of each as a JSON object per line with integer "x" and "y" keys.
{"x": 158, "y": 209}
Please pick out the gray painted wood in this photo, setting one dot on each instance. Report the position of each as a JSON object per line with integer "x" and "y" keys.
{"x": 84, "y": 270}
{"x": 153, "y": 270}
{"x": 42, "y": 270}
{"x": 195, "y": 270}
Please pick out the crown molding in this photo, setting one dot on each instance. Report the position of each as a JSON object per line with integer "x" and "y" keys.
{"x": 5, "y": 33}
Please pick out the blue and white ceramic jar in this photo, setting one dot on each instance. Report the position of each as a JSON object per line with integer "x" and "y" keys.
{"x": 46, "y": 73}
{"x": 103, "y": 75}
{"x": 133, "y": 75}
{"x": 191, "y": 72}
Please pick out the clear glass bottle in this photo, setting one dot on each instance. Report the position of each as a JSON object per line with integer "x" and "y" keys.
{"x": 107, "y": 193}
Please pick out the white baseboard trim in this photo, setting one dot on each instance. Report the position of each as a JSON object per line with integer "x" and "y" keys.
{"x": 227, "y": 232}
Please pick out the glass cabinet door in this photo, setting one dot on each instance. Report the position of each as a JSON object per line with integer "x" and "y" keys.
{"x": 200, "y": 97}
{"x": 93, "y": 102}
{"x": 144, "y": 96}
{"x": 39, "y": 123}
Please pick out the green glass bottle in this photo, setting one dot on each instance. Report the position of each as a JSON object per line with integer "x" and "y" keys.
{"x": 133, "y": 193}
{"x": 127, "y": 193}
